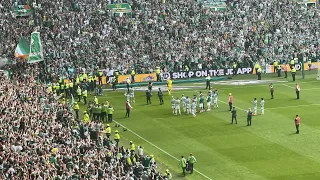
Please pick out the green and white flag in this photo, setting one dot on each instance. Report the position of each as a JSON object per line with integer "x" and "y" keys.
{"x": 36, "y": 51}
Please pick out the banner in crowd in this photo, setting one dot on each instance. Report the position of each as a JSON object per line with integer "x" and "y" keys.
{"x": 205, "y": 73}
{"x": 138, "y": 78}
{"x": 120, "y": 9}
{"x": 36, "y": 51}
{"x": 214, "y": 4}
{"x": 22, "y": 10}
{"x": 22, "y": 49}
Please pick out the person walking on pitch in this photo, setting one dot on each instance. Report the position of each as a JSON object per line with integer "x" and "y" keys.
{"x": 184, "y": 103}
{"x": 249, "y": 117}
{"x": 271, "y": 90}
{"x": 188, "y": 105}
{"x": 169, "y": 84}
{"x": 208, "y": 79}
{"x": 191, "y": 161}
{"x": 285, "y": 69}
{"x": 160, "y": 95}
{"x": 298, "y": 91}
{"x": 173, "y": 105}
{"x": 293, "y": 73}
{"x": 297, "y": 123}
{"x": 183, "y": 164}
{"x": 230, "y": 101}
{"x": 194, "y": 108}
{"x": 215, "y": 99}
{"x": 128, "y": 108}
{"x": 255, "y": 106}
{"x": 262, "y": 105}
{"x": 148, "y": 96}
{"x": 234, "y": 115}
{"x": 177, "y": 107}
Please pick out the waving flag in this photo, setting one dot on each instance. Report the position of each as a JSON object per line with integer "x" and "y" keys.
{"x": 22, "y": 49}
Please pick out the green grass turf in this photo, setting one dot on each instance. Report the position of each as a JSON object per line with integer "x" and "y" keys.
{"x": 269, "y": 149}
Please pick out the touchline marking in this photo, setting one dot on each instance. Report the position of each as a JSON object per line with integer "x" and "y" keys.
{"x": 160, "y": 149}
{"x": 288, "y": 86}
{"x": 301, "y": 89}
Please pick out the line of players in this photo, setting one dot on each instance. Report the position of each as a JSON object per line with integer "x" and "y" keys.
{"x": 255, "y": 106}
{"x": 189, "y": 105}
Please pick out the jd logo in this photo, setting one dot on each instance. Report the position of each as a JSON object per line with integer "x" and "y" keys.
{"x": 166, "y": 76}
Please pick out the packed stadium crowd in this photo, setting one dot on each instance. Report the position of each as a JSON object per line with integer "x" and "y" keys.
{"x": 166, "y": 33}
{"x": 40, "y": 137}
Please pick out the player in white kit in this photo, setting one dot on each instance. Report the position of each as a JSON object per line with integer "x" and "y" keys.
{"x": 132, "y": 95}
{"x": 128, "y": 96}
{"x": 215, "y": 99}
{"x": 173, "y": 104}
{"x": 255, "y": 106}
{"x": 177, "y": 108}
{"x": 262, "y": 105}
{"x": 184, "y": 104}
{"x": 194, "y": 108}
{"x": 188, "y": 105}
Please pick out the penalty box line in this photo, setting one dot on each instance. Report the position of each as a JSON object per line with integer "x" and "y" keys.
{"x": 155, "y": 146}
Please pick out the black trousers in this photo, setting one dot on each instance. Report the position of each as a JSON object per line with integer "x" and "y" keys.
{"x": 298, "y": 94}
{"x": 128, "y": 86}
{"x": 234, "y": 72}
{"x": 100, "y": 80}
{"x": 158, "y": 77}
{"x": 259, "y": 76}
{"x": 235, "y": 119}
{"x": 248, "y": 122}
{"x": 77, "y": 113}
{"x": 271, "y": 92}
{"x": 132, "y": 78}
{"x": 103, "y": 116}
{"x": 114, "y": 86}
{"x": 293, "y": 76}
{"x": 127, "y": 112}
{"x": 190, "y": 167}
{"x": 85, "y": 99}
{"x": 109, "y": 117}
{"x": 208, "y": 85}
{"x": 148, "y": 100}
{"x": 274, "y": 69}
{"x": 161, "y": 100}
{"x": 230, "y": 106}
{"x": 297, "y": 128}
{"x": 279, "y": 72}
{"x": 285, "y": 74}
{"x": 79, "y": 98}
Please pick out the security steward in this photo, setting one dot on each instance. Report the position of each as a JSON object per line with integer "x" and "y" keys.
{"x": 275, "y": 66}
{"x": 297, "y": 123}
{"x": 309, "y": 64}
{"x": 108, "y": 131}
{"x": 100, "y": 74}
{"x": 132, "y": 147}
{"x": 187, "y": 71}
{"x": 256, "y": 66}
{"x": 191, "y": 161}
{"x": 259, "y": 72}
{"x": 116, "y": 137}
{"x": 128, "y": 84}
{"x": 114, "y": 84}
{"x": 279, "y": 70}
{"x": 234, "y": 69}
{"x": 291, "y": 63}
{"x": 293, "y": 73}
{"x": 208, "y": 79}
{"x": 158, "y": 73}
{"x": 133, "y": 73}
{"x": 76, "y": 109}
{"x": 234, "y": 115}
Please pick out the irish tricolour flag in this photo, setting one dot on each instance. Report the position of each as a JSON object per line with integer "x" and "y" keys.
{"x": 23, "y": 49}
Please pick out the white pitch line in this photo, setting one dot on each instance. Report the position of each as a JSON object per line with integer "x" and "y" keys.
{"x": 160, "y": 149}
{"x": 288, "y": 86}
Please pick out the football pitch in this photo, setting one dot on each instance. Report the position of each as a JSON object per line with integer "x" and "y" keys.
{"x": 269, "y": 149}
